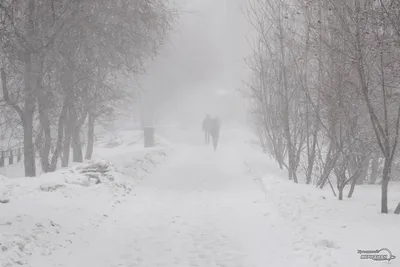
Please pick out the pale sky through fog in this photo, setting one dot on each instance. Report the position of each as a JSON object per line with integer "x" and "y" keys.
{"x": 203, "y": 54}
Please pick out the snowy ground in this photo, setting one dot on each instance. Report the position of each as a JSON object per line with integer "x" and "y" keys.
{"x": 46, "y": 213}
{"x": 231, "y": 208}
{"x": 329, "y": 231}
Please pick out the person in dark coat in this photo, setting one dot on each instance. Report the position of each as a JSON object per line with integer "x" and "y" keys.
{"x": 206, "y": 128}
{"x": 214, "y": 131}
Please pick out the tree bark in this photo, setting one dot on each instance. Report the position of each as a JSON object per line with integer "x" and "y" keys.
{"x": 340, "y": 172}
{"x": 352, "y": 187}
{"x": 385, "y": 184}
{"x": 29, "y": 104}
{"x": 60, "y": 137}
{"x": 286, "y": 108}
{"x": 45, "y": 124}
{"x": 90, "y": 137}
{"x": 76, "y": 138}
{"x": 26, "y": 115}
{"x": 77, "y": 155}
{"x": 29, "y": 150}
{"x": 330, "y": 162}
{"x": 311, "y": 157}
{"x": 397, "y": 210}
{"x": 340, "y": 189}
{"x": 30, "y": 83}
{"x": 68, "y": 131}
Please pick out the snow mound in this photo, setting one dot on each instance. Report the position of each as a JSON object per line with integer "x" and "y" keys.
{"x": 21, "y": 240}
{"x": 122, "y": 139}
{"x": 141, "y": 163}
{"x": 99, "y": 171}
{"x": 42, "y": 214}
{"x": 329, "y": 231}
{"x": 4, "y": 191}
{"x": 51, "y": 187}
{"x": 112, "y": 144}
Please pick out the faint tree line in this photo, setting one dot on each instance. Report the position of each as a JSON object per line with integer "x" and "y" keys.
{"x": 61, "y": 62}
{"x": 325, "y": 90}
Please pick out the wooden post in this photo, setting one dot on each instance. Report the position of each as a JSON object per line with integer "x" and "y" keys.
{"x": 2, "y": 159}
{"x": 148, "y": 136}
{"x": 11, "y": 158}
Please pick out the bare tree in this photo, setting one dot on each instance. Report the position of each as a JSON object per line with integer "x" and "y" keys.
{"x": 332, "y": 65}
{"x": 60, "y": 48}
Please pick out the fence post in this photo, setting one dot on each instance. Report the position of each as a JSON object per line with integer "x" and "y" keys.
{"x": 148, "y": 136}
{"x": 11, "y": 158}
{"x": 2, "y": 159}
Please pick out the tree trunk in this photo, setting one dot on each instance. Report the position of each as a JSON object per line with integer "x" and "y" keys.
{"x": 374, "y": 168}
{"x": 25, "y": 115}
{"x": 66, "y": 148}
{"x": 286, "y": 107}
{"x": 280, "y": 164}
{"x": 90, "y": 137}
{"x": 29, "y": 149}
{"x": 45, "y": 124}
{"x": 76, "y": 137}
{"x": 330, "y": 162}
{"x": 312, "y": 154}
{"x": 311, "y": 158}
{"x": 278, "y": 150}
{"x": 385, "y": 184}
{"x": 340, "y": 188}
{"x": 60, "y": 136}
{"x": 397, "y": 210}
{"x": 45, "y": 153}
{"x": 77, "y": 155}
{"x": 68, "y": 131}
{"x": 32, "y": 70}
{"x": 340, "y": 180}
{"x": 352, "y": 187}
{"x": 360, "y": 175}
{"x": 38, "y": 140}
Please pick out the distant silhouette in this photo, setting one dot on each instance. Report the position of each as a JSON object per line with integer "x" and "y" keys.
{"x": 214, "y": 131}
{"x": 206, "y": 128}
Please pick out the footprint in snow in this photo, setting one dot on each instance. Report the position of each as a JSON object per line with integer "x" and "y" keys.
{"x": 326, "y": 243}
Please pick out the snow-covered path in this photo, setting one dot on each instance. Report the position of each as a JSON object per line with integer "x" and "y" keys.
{"x": 187, "y": 207}
{"x": 200, "y": 209}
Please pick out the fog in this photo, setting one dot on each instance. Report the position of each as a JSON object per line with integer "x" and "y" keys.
{"x": 201, "y": 66}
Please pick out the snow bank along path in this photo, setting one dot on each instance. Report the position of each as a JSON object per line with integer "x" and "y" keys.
{"x": 201, "y": 209}
{"x": 206, "y": 209}
{"x": 41, "y": 215}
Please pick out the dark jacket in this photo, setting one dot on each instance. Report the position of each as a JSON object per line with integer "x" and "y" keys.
{"x": 214, "y": 127}
{"x": 206, "y": 124}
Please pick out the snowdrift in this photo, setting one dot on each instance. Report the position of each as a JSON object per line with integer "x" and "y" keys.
{"x": 40, "y": 215}
{"x": 330, "y": 231}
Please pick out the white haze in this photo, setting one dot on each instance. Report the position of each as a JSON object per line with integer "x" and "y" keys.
{"x": 201, "y": 67}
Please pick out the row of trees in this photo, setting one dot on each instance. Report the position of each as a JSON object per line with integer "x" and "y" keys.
{"x": 325, "y": 90}
{"x": 61, "y": 62}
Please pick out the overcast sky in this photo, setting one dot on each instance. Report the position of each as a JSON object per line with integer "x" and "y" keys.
{"x": 204, "y": 53}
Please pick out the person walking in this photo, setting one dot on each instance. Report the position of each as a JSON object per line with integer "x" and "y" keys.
{"x": 206, "y": 128}
{"x": 214, "y": 131}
